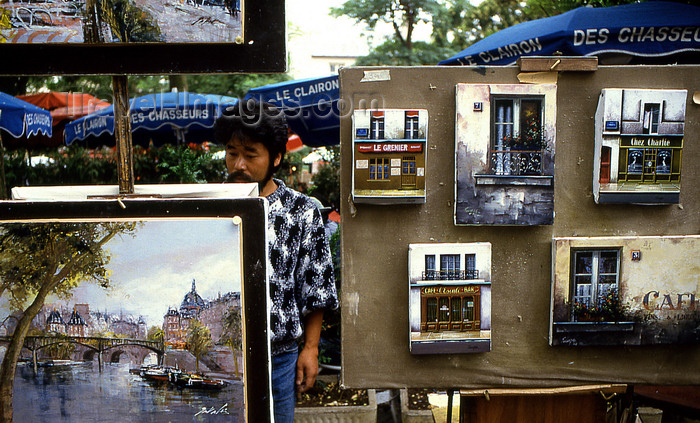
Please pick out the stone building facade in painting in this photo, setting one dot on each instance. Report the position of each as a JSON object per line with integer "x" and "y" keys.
{"x": 79, "y": 320}
{"x": 505, "y": 137}
{"x": 176, "y": 321}
{"x": 612, "y": 290}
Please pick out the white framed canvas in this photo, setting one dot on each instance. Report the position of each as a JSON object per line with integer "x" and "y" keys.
{"x": 504, "y": 154}
{"x": 449, "y": 297}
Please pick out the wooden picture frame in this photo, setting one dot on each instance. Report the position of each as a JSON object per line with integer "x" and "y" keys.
{"x": 246, "y": 248}
{"x": 261, "y": 47}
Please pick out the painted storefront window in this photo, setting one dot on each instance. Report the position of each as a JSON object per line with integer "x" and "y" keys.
{"x": 450, "y": 298}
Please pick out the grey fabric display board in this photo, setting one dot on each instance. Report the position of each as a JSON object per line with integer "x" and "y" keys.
{"x": 376, "y": 238}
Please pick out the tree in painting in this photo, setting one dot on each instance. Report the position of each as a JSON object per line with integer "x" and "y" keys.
{"x": 39, "y": 259}
{"x": 198, "y": 340}
{"x": 233, "y": 334}
{"x": 155, "y": 334}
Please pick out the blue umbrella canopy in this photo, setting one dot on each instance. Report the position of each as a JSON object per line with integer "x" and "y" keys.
{"x": 161, "y": 118}
{"x": 22, "y": 119}
{"x": 310, "y": 105}
{"x": 649, "y": 29}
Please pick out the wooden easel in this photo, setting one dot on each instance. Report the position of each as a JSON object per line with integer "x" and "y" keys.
{"x": 122, "y": 133}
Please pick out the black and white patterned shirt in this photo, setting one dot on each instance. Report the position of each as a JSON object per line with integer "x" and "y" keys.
{"x": 301, "y": 278}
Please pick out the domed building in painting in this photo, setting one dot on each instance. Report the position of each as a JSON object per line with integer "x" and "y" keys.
{"x": 210, "y": 313}
{"x": 176, "y": 322}
{"x": 192, "y": 303}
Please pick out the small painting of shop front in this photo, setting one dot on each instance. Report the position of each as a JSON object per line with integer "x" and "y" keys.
{"x": 389, "y": 149}
{"x": 625, "y": 291}
{"x": 450, "y": 298}
{"x": 504, "y": 140}
{"x": 638, "y": 146}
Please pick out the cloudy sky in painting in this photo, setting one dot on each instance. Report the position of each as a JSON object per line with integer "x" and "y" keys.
{"x": 154, "y": 269}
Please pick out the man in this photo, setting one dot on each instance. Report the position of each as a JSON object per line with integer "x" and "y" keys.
{"x": 301, "y": 279}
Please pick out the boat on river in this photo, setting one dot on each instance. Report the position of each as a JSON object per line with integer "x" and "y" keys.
{"x": 178, "y": 377}
{"x": 158, "y": 373}
{"x": 57, "y": 362}
{"x": 195, "y": 381}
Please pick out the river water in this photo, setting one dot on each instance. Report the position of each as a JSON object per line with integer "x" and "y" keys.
{"x": 81, "y": 393}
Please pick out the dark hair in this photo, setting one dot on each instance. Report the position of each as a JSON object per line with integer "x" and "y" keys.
{"x": 254, "y": 121}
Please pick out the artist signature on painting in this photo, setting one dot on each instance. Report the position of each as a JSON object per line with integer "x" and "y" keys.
{"x": 213, "y": 410}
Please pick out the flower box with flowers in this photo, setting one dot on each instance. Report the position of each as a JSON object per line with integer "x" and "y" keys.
{"x": 608, "y": 308}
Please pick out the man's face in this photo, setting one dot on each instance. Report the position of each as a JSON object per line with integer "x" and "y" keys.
{"x": 248, "y": 161}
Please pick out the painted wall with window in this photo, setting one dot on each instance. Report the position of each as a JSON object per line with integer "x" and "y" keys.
{"x": 638, "y": 145}
{"x": 450, "y": 290}
{"x": 631, "y": 290}
{"x": 505, "y": 137}
{"x": 376, "y": 239}
{"x": 389, "y": 149}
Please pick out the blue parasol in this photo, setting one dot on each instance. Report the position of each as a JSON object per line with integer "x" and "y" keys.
{"x": 19, "y": 119}
{"x": 310, "y": 105}
{"x": 22, "y": 119}
{"x": 646, "y": 30}
{"x": 161, "y": 118}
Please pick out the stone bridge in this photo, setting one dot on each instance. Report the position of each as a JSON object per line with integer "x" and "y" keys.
{"x": 138, "y": 349}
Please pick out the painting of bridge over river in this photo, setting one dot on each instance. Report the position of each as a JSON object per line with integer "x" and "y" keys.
{"x": 122, "y": 321}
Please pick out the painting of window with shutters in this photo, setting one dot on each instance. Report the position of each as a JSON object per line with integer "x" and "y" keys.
{"x": 389, "y": 148}
{"x": 638, "y": 146}
{"x": 613, "y": 291}
{"x": 450, "y": 298}
{"x": 505, "y": 154}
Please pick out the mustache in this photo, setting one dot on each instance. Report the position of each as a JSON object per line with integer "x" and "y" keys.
{"x": 237, "y": 176}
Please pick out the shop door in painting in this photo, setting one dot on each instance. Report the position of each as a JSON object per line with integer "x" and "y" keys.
{"x": 443, "y": 314}
{"x": 470, "y": 313}
{"x": 408, "y": 172}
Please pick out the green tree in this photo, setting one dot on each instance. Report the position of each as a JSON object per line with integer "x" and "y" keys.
{"x": 403, "y": 16}
{"x": 198, "y": 340}
{"x": 461, "y": 24}
{"x": 182, "y": 165}
{"x": 76, "y": 165}
{"x": 155, "y": 334}
{"x": 100, "y": 86}
{"x": 545, "y": 8}
{"x": 234, "y": 85}
{"x": 41, "y": 259}
{"x": 391, "y": 53}
{"x": 325, "y": 184}
{"x": 233, "y": 334}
